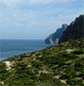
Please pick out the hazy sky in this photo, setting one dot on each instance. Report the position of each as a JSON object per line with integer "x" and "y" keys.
{"x": 36, "y": 19}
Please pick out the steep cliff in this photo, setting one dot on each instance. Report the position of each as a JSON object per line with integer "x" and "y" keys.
{"x": 54, "y": 38}
{"x": 74, "y": 31}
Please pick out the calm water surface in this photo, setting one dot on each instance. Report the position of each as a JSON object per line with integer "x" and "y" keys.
{"x": 9, "y": 48}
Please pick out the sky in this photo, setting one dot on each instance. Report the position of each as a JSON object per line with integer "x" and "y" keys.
{"x": 36, "y": 19}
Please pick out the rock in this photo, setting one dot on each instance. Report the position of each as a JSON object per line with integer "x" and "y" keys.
{"x": 54, "y": 38}
{"x": 74, "y": 31}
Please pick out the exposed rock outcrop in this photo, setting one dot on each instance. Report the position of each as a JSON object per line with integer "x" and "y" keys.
{"x": 54, "y": 38}
{"x": 74, "y": 31}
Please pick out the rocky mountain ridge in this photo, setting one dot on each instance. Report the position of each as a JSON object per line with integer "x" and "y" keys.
{"x": 68, "y": 32}
{"x": 74, "y": 31}
{"x": 54, "y": 37}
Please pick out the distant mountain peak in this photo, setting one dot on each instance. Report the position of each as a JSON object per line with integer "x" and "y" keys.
{"x": 54, "y": 37}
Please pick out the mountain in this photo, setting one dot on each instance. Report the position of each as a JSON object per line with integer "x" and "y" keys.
{"x": 61, "y": 65}
{"x": 54, "y": 38}
{"x": 74, "y": 31}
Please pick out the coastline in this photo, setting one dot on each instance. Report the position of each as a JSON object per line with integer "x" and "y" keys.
{"x": 10, "y": 48}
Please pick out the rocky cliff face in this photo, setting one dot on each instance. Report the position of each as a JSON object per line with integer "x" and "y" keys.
{"x": 74, "y": 31}
{"x": 54, "y": 38}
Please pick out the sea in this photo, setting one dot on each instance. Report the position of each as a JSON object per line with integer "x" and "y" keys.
{"x": 10, "y": 48}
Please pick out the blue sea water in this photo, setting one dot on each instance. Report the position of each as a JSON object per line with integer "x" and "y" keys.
{"x": 9, "y": 48}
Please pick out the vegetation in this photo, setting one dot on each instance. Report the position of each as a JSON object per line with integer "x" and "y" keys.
{"x": 61, "y": 65}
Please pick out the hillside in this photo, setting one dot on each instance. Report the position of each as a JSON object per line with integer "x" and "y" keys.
{"x": 61, "y": 65}
{"x": 74, "y": 31}
{"x": 54, "y": 37}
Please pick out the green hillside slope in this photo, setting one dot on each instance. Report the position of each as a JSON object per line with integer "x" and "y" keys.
{"x": 61, "y": 65}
